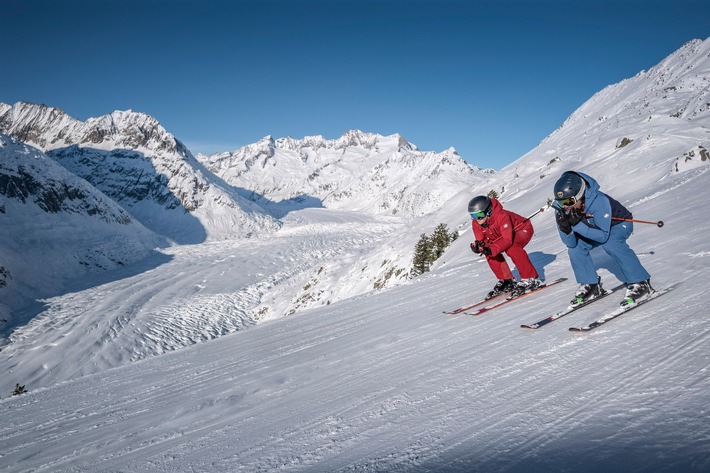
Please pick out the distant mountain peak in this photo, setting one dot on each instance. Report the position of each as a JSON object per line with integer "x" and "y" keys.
{"x": 357, "y": 171}
{"x": 131, "y": 158}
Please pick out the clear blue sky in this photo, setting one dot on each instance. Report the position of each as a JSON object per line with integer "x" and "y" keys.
{"x": 489, "y": 78}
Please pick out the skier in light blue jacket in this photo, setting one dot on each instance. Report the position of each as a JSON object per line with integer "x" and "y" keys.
{"x": 588, "y": 218}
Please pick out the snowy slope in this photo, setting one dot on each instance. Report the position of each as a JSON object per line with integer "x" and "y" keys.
{"x": 56, "y": 227}
{"x": 384, "y": 381}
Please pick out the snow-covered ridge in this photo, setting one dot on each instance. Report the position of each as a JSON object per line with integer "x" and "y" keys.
{"x": 357, "y": 138}
{"x": 359, "y": 171}
{"x": 678, "y": 88}
{"x": 131, "y": 158}
{"x": 50, "y": 128}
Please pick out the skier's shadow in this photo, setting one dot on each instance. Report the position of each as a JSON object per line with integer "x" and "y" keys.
{"x": 539, "y": 260}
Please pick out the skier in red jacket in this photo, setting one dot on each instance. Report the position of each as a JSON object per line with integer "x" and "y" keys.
{"x": 499, "y": 231}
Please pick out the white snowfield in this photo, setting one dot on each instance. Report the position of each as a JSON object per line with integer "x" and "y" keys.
{"x": 382, "y": 382}
{"x": 130, "y": 374}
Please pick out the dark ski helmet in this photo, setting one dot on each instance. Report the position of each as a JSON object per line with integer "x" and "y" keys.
{"x": 569, "y": 188}
{"x": 480, "y": 207}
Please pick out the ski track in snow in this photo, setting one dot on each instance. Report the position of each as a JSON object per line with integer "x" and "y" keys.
{"x": 671, "y": 186}
{"x": 433, "y": 400}
{"x": 203, "y": 292}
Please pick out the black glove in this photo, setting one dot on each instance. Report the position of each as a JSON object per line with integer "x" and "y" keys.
{"x": 567, "y": 220}
{"x": 563, "y": 222}
{"x": 479, "y": 247}
{"x": 575, "y": 216}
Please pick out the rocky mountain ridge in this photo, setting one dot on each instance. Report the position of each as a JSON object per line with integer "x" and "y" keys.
{"x": 359, "y": 171}
{"x": 131, "y": 158}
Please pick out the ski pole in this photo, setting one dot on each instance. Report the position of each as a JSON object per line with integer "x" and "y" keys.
{"x": 658, "y": 224}
{"x": 542, "y": 209}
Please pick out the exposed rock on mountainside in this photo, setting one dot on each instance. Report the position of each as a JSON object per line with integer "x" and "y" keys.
{"x": 57, "y": 226}
{"x": 131, "y": 158}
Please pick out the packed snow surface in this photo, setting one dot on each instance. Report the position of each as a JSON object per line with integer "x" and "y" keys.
{"x": 381, "y": 382}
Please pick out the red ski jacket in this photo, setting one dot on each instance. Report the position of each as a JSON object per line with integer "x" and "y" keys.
{"x": 498, "y": 233}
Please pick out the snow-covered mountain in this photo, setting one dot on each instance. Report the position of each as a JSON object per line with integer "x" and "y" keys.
{"x": 665, "y": 106}
{"x": 56, "y": 227}
{"x": 359, "y": 171}
{"x": 131, "y": 158}
{"x": 385, "y": 381}
{"x": 383, "y": 176}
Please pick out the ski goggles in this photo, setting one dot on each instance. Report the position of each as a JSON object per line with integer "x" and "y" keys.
{"x": 568, "y": 202}
{"x": 480, "y": 215}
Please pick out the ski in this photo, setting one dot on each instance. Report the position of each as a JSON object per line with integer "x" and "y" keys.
{"x": 619, "y": 311}
{"x": 569, "y": 310}
{"x": 469, "y": 307}
{"x": 506, "y": 301}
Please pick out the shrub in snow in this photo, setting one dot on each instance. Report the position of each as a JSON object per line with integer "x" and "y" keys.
{"x": 19, "y": 390}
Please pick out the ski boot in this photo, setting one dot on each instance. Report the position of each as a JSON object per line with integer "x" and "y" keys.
{"x": 637, "y": 291}
{"x": 523, "y": 286}
{"x": 503, "y": 285}
{"x": 587, "y": 292}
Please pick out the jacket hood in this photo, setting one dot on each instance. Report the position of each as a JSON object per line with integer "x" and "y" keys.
{"x": 592, "y": 184}
{"x": 495, "y": 205}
